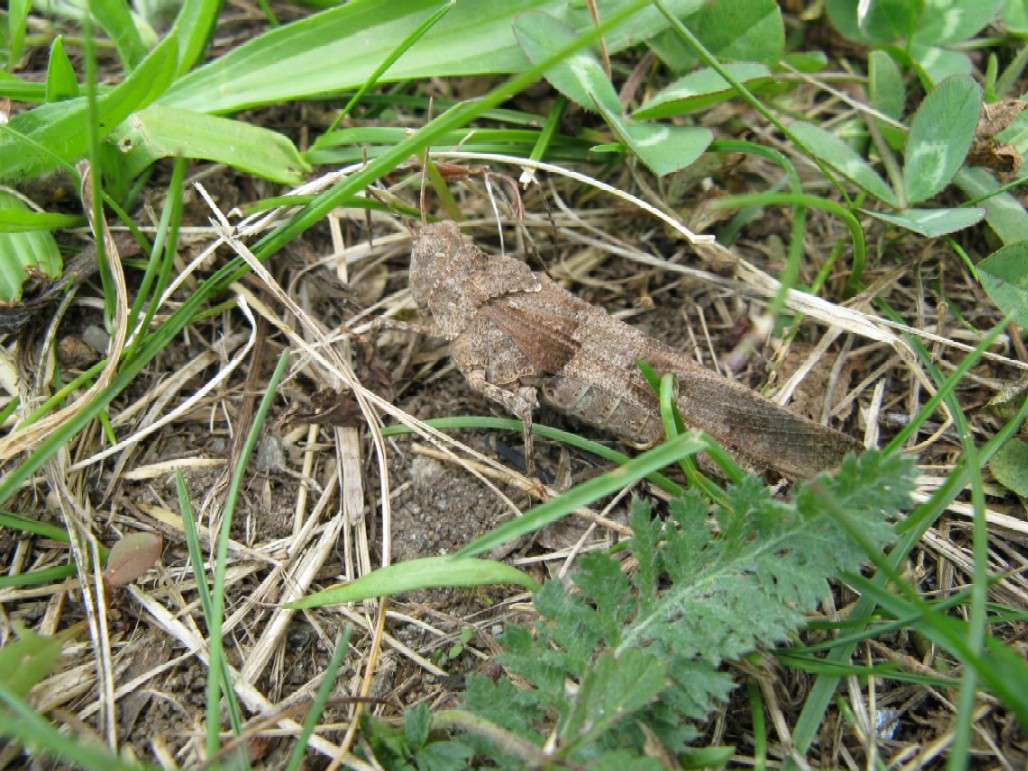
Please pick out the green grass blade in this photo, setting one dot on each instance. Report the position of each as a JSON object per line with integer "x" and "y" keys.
{"x": 165, "y": 132}
{"x": 587, "y": 492}
{"x": 116, "y": 20}
{"x": 193, "y": 29}
{"x": 390, "y": 60}
{"x": 218, "y": 675}
{"x": 29, "y": 728}
{"x": 40, "y": 139}
{"x": 328, "y": 682}
{"x": 473, "y": 38}
{"x": 424, "y": 573}
{"x": 61, "y": 82}
{"x": 17, "y": 13}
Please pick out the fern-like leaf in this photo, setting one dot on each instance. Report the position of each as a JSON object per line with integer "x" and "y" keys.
{"x": 620, "y": 661}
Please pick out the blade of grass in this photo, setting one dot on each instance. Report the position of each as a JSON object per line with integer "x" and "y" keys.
{"x": 405, "y": 43}
{"x": 911, "y": 530}
{"x": 813, "y": 202}
{"x": 193, "y": 28}
{"x": 116, "y": 20}
{"x": 203, "y": 590}
{"x": 217, "y": 674}
{"x": 587, "y": 492}
{"x": 24, "y": 725}
{"x": 553, "y": 434}
{"x": 328, "y": 682}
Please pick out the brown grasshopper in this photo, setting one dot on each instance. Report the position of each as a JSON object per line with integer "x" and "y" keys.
{"x": 515, "y": 334}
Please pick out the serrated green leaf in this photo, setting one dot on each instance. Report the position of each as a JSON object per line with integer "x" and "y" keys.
{"x": 844, "y": 159}
{"x": 430, "y": 572}
{"x": 665, "y": 149}
{"x": 940, "y": 134}
{"x": 21, "y": 252}
{"x": 580, "y": 77}
{"x": 1010, "y": 466}
{"x": 613, "y": 689}
{"x": 932, "y": 222}
{"x": 417, "y": 722}
{"x": 1004, "y": 274}
{"x": 164, "y": 132}
{"x": 702, "y": 88}
{"x": 40, "y": 139}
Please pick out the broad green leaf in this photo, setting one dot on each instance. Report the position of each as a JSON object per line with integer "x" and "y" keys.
{"x": 1015, "y": 16}
{"x": 806, "y": 61}
{"x": 117, "y": 22}
{"x": 951, "y": 21}
{"x": 341, "y": 48}
{"x": 1004, "y": 274}
{"x": 1010, "y": 466}
{"x": 21, "y": 90}
{"x": 940, "y": 135}
{"x": 888, "y": 95}
{"x": 429, "y": 572}
{"x": 932, "y": 22}
{"x": 844, "y": 159}
{"x": 40, "y": 139}
{"x": 663, "y": 148}
{"x": 932, "y": 223}
{"x": 164, "y": 132}
{"x": 21, "y": 252}
{"x": 702, "y": 88}
{"x": 61, "y": 82}
{"x": 936, "y": 64}
{"x": 878, "y": 22}
{"x": 1004, "y": 213}
{"x": 581, "y": 77}
{"x": 29, "y": 659}
{"x": 743, "y": 30}
{"x": 885, "y": 85}
{"x": 26, "y": 220}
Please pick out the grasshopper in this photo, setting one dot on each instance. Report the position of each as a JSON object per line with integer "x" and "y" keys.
{"x": 516, "y": 335}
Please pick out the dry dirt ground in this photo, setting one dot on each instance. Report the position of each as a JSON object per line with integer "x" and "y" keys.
{"x": 323, "y": 499}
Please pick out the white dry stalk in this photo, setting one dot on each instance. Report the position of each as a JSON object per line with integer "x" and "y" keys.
{"x": 188, "y": 404}
{"x": 252, "y": 698}
{"x": 23, "y": 440}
